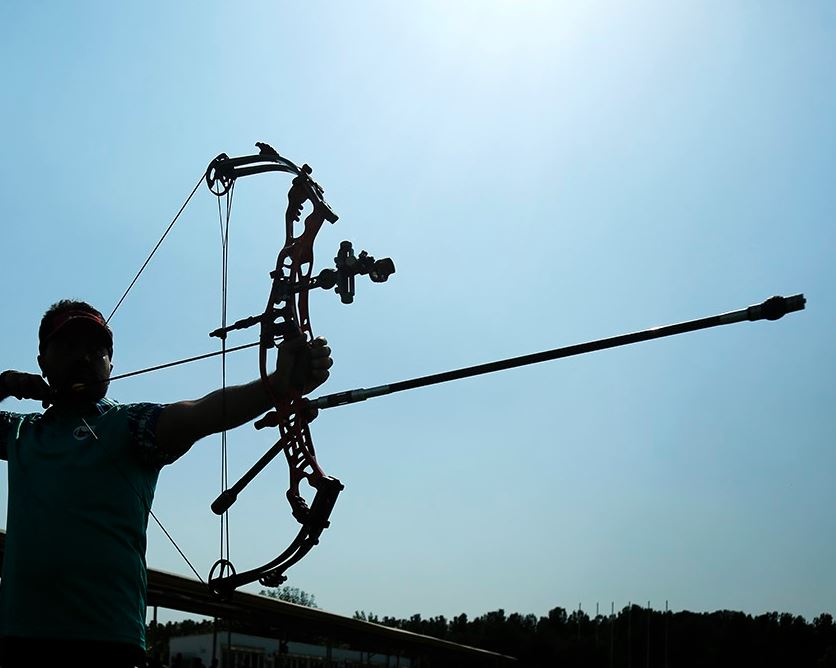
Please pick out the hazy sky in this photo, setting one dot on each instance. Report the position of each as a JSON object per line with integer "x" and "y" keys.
{"x": 542, "y": 173}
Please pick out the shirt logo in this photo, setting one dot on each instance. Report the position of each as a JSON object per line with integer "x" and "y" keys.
{"x": 81, "y": 433}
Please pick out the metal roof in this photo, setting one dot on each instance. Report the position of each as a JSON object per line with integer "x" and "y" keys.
{"x": 267, "y": 616}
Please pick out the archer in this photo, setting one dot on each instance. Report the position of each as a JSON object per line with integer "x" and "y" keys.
{"x": 82, "y": 476}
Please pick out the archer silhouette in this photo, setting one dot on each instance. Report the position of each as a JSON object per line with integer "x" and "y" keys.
{"x": 82, "y": 476}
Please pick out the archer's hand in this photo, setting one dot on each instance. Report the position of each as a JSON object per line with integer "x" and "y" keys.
{"x": 25, "y": 386}
{"x": 303, "y": 366}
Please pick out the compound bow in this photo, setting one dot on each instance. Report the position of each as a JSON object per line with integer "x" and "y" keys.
{"x": 286, "y": 316}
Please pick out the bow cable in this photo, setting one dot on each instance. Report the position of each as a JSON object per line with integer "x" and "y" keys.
{"x": 107, "y": 321}
{"x": 143, "y": 501}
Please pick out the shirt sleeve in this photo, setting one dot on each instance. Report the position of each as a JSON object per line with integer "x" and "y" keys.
{"x": 9, "y": 423}
{"x": 142, "y": 423}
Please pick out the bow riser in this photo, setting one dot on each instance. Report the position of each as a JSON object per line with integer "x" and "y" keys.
{"x": 287, "y": 316}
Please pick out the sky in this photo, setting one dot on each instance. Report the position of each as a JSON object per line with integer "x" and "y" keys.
{"x": 542, "y": 174}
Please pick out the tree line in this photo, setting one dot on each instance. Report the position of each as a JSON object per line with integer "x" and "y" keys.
{"x": 634, "y": 637}
{"x": 637, "y": 637}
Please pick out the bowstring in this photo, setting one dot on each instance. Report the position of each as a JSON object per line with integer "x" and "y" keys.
{"x": 223, "y": 221}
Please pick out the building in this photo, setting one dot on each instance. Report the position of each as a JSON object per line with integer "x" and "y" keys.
{"x": 238, "y": 650}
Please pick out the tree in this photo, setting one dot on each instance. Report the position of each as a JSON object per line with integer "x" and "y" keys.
{"x": 291, "y": 595}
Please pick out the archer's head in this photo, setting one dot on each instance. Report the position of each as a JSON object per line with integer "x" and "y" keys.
{"x": 76, "y": 348}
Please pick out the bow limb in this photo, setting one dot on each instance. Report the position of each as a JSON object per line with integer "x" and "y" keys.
{"x": 223, "y": 580}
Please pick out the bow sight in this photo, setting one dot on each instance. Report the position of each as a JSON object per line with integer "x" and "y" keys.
{"x": 349, "y": 266}
{"x": 340, "y": 279}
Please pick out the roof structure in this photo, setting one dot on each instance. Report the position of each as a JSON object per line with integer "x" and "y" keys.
{"x": 270, "y": 617}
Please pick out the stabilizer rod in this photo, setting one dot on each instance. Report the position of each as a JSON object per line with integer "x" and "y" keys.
{"x": 771, "y": 309}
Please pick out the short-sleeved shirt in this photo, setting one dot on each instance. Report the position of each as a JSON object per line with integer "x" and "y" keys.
{"x": 80, "y": 491}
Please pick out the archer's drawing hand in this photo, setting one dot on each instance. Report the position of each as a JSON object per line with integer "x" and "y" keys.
{"x": 25, "y": 386}
{"x": 303, "y": 366}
